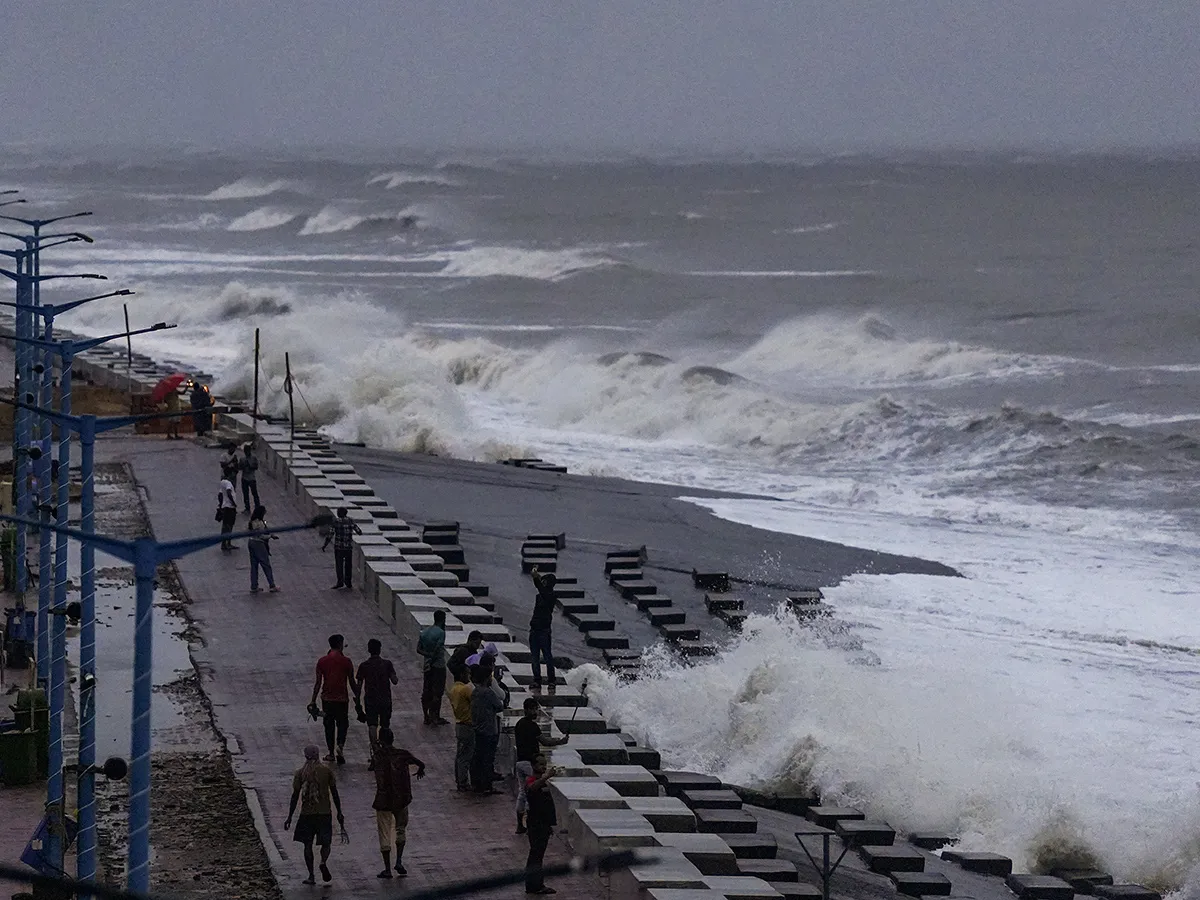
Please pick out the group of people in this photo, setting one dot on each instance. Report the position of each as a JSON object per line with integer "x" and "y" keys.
{"x": 259, "y": 543}
{"x": 476, "y": 697}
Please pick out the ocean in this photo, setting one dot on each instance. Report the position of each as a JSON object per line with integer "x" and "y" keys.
{"x": 986, "y": 360}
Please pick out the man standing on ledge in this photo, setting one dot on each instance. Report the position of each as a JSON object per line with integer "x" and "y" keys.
{"x": 539, "y": 629}
{"x": 432, "y": 647}
{"x": 335, "y": 681}
{"x": 342, "y": 533}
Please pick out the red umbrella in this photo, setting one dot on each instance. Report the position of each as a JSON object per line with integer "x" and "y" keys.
{"x": 168, "y": 385}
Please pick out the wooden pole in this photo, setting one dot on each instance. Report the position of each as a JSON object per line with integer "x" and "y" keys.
{"x": 128, "y": 359}
{"x": 287, "y": 386}
{"x": 254, "y": 414}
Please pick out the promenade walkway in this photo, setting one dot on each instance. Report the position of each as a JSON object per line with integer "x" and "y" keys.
{"x": 256, "y": 666}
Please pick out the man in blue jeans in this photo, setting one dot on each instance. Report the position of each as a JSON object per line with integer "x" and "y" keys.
{"x": 539, "y": 629}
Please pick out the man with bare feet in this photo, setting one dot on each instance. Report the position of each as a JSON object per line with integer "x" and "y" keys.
{"x": 313, "y": 786}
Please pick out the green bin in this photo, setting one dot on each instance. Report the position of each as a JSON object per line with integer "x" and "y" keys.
{"x": 18, "y": 757}
{"x": 32, "y": 712}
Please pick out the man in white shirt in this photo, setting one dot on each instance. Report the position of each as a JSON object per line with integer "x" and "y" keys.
{"x": 226, "y": 511}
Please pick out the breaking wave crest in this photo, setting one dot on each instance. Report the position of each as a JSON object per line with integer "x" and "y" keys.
{"x": 783, "y": 708}
{"x": 393, "y": 180}
{"x": 261, "y": 219}
{"x": 332, "y": 219}
{"x": 245, "y": 188}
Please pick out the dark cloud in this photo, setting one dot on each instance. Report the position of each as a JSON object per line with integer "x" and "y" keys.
{"x": 631, "y": 74}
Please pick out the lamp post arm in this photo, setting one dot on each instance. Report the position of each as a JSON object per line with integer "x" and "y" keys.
{"x": 122, "y": 550}
{"x": 42, "y": 223}
{"x": 176, "y": 549}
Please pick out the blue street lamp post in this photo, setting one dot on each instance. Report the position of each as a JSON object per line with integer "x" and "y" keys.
{"x": 67, "y": 350}
{"x": 146, "y": 555}
{"x": 43, "y": 475}
{"x": 87, "y": 427}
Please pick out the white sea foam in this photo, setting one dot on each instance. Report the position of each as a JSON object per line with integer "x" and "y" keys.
{"x": 393, "y": 180}
{"x": 783, "y": 273}
{"x": 517, "y": 262}
{"x": 812, "y": 229}
{"x": 245, "y": 188}
{"x": 1030, "y": 707}
{"x": 261, "y": 219}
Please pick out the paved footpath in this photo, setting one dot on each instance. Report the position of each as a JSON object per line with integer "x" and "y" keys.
{"x": 256, "y": 667}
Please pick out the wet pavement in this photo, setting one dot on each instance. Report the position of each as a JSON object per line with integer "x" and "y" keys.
{"x": 255, "y": 655}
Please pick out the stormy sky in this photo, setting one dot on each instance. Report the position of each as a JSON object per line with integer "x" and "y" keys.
{"x": 603, "y": 74}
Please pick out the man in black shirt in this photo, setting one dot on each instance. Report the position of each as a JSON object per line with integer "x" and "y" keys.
{"x": 529, "y": 741}
{"x": 539, "y": 629}
{"x": 458, "y": 659}
{"x": 542, "y": 819}
{"x": 376, "y": 675}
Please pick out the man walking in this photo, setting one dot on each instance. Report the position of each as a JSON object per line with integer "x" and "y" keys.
{"x": 488, "y": 699}
{"x": 249, "y": 469}
{"x": 529, "y": 741}
{"x": 376, "y": 676}
{"x": 393, "y": 794}
{"x": 464, "y": 733}
{"x": 342, "y": 533}
{"x": 542, "y": 819}
{"x": 226, "y": 512}
{"x": 432, "y": 646}
{"x": 539, "y": 629}
{"x": 335, "y": 681}
{"x": 313, "y": 786}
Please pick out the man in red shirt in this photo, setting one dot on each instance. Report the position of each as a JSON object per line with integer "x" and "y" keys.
{"x": 393, "y": 794}
{"x": 335, "y": 681}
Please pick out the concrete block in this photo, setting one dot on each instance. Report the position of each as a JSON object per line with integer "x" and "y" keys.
{"x": 982, "y": 863}
{"x": 930, "y": 840}
{"x": 408, "y": 584}
{"x": 1126, "y": 892}
{"x": 461, "y": 571}
{"x": 455, "y": 595}
{"x": 577, "y": 720}
{"x": 606, "y": 640}
{"x": 707, "y": 852}
{"x": 600, "y": 749}
{"x": 1084, "y": 881}
{"x": 752, "y": 846}
{"x": 450, "y": 553}
{"x": 413, "y": 602}
{"x": 677, "y": 633}
{"x": 424, "y": 562}
{"x": 493, "y": 633}
{"x": 797, "y": 890}
{"x": 623, "y": 572}
{"x": 1039, "y": 887}
{"x": 582, "y": 793}
{"x": 437, "y": 579}
{"x": 626, "y": 780}
{"x": 666, "y": 615}
{"x": 682, "y": 894}
{"x": 587, "y": 622}
{"x": 666, "y": 814}
{"x": 725, "y": 821}
{"x": 569, "y": 592}
{"x": 563, "y": 696}
{"x": 644, "y": 757}
{"x": 647, "y": 602}
{"x": 477, "y": 590}
{"x": 568, "y": 761}
{"x": 829, "y": 816}
{"x": 769, "y": 869}
{"x": 573, "y": 607}
{"x": 670, "y": 870}
{"x": 921, "y": 884}
{"x": 476, "y": 615}
{"x": 442, "y": 537}
{"x": 675, "y": 781}
{"x": 885, "y": 860}
{"x": 636, "y": 588}
{"x": 711, "y": 799}
{"x": 594, "y": 831}
{"x": 742, "y": 887}
{"x": 560, "y": 539}
{"x": 858, "y": 833}
{"x": 714, "y": 604}
{"x": 425, "y": 618}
